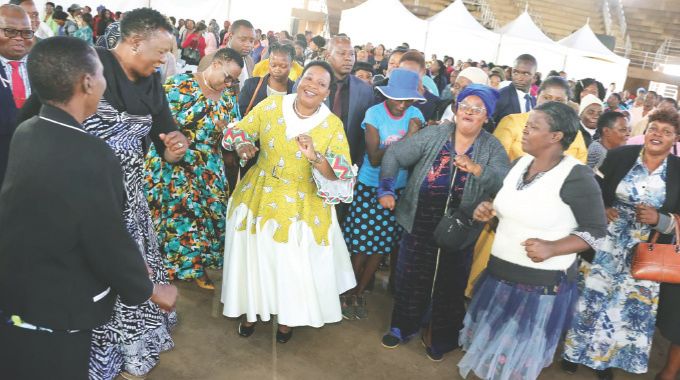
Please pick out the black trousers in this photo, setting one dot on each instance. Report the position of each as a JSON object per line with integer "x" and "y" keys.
{"x": 37, "y": 355}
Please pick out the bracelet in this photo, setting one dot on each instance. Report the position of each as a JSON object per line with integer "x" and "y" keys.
{"x": 316, "y": 160}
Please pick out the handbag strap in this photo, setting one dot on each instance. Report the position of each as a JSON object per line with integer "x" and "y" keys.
{"x": 448, "y": 198}
{"x": 252, "y": 98}
{"x": 676, "y": 219}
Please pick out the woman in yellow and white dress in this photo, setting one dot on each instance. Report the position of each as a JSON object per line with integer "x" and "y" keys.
{"x": 284, "y": 250}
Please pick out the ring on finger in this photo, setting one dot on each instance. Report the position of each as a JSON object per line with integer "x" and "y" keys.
{"x": 180, "y": 145}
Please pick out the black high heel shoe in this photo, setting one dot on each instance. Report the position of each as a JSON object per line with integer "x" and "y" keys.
{"x": 245, "y": 331}
{"x": 284, "y": 337}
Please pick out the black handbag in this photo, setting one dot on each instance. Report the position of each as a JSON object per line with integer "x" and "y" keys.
{"x": 457, "y": 230}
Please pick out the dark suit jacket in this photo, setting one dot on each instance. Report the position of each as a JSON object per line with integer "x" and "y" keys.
{"x": 508, "y": 103}
{"x": 65, "y": 253}
{"x": 618, "y": 163}
{"x": 8, "y": 117}
{"x": 248, "y": 89}
{"x": 361, "y": 98}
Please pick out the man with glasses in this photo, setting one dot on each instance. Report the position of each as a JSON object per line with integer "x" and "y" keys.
{"x": 40, "y": 29}
{"x": 515, "y": 98}
{"x": 16, "y": 40}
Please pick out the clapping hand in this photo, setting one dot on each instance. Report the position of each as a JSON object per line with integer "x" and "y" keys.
{"x": 465, "y": 163}
{"x": 176, "y": 145}
{"x": 246, "y": 151}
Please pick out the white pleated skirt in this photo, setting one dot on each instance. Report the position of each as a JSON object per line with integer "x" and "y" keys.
{"x": 299, "y": 281}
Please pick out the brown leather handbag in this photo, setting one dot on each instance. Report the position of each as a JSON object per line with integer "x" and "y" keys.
{"x": 658, "y": 262}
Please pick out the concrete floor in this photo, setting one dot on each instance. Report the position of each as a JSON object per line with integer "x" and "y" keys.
{"x": 208, "y": 347}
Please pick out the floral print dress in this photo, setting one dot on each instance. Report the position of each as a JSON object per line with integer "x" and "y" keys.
{"x": 616, "y": 313}
{"x": 188, "y": 200}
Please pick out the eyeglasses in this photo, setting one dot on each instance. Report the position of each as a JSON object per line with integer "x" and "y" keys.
{"x": 474, "y": 110}
{"x": 12, "y": 33}
{"x": 229, "y": 80}
{"x": 665, "y": 132}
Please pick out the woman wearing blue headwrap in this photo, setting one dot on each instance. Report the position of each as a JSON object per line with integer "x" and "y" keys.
{"x": 461, "y": 162}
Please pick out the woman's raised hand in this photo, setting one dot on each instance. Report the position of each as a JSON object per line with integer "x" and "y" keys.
{"x": 246, "y": 151}
{"x": 306, "y": 145}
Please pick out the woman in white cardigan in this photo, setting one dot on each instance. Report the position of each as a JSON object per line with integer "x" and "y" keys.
{"x": 549, "y": 209}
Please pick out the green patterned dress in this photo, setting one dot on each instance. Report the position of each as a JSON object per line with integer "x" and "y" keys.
{"x": 188, "y": 200}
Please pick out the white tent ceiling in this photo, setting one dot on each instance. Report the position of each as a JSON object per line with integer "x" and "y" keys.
{"x": 588, "y": 57}
{"x": 383, "y": 21}
{"x": 446, "y": 28}
{"x": 523, "y": 36}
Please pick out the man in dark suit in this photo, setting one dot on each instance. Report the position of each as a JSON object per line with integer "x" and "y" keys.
{"x": 350, "y": 97}
{"x": 16, "y": 40}
{"x": 65, "y": 253}
{"x": 516, "y": 98}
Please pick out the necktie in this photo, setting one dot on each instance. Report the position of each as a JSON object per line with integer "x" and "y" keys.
{"x": 527, "y": 103}
{"x": 337, "y": 100}
{"x": 18, "y": 86}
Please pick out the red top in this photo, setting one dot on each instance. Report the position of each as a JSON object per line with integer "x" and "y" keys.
{"x": 191, "y": 42}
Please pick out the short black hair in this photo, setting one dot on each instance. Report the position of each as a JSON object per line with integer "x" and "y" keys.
{"x": 413, "y": 56}
{"x": 143, "y": 21}
{"x": 666, "y": 116}
{"x": 17, "y": 2}
{"x": 56, "y": 64}
{"x": 60, "y": 15}
{"x": 302, "y": 43}
{"x": 670, "y": 100}
{"x": 562, "y": 118}
{"x": 228, "y": 55}
{"x": 285, "y": 49}
{"x": 319, "y": 41}
{"x": 240, "y": 24}
{"x": 200, "y": 27}
{"x": 555, "y": 81}
{"x": 323, "y": 64}
{"x": 365, "y": 66}
{"x": 584, "y": 83}
{"x": 50, "y": 3}
{"x": 527, "y": 58}
{"x": 608, "y": 120}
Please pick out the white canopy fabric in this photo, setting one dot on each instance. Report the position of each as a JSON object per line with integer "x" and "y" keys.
{"x": 383, "y": 21}
{"x": 588, "y": 57}
{"x": 454, "y": 31}
{"x": 522, "y": 36}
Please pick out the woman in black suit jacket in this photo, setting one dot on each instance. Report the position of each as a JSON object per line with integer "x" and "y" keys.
{"x": 616, "y": 313}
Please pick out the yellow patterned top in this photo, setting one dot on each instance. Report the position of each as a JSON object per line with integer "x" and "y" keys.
{"x": 282, "y": 186}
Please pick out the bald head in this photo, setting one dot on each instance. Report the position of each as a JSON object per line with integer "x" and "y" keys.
{"x": 14, "y": 18}
{"x": 341, "y": 56}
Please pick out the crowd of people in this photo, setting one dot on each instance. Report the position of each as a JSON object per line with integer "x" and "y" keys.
{"x": 140, "y": 149}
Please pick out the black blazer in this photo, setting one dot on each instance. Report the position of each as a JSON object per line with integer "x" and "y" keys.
{"x": 618, "y": 163}
{"x": 248, "y": 89}
{"x": 508, "y": 103}
{"x": 65, "y": 253}
{"x": 8, "y": 117}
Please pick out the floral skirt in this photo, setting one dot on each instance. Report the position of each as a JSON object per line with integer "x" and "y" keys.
{"x": 512, "y": 330}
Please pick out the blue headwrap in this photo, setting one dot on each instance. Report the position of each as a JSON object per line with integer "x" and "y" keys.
{"x": 488, "y": 95}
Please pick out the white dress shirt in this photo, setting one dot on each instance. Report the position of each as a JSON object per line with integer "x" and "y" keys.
{"x": 22, "y": 71}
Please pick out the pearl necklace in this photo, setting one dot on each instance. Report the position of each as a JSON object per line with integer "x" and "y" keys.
{"x": 300, "y": 115}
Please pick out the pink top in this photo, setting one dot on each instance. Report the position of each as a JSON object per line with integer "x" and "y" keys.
{"x": 210, "y": 43}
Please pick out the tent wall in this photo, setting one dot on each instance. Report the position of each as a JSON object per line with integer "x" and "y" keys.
{"x": 549, "y": 57}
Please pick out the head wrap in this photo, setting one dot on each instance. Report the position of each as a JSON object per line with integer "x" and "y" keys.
{"x": 475, "y": 75}
{"x": 488, "y": 95}
{"x": 586, "y": 101}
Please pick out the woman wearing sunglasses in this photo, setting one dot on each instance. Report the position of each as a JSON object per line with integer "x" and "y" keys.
{"x": 189, "y": 201}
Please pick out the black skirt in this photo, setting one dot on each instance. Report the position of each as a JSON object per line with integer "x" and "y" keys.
{"x": 668, "y": 315}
